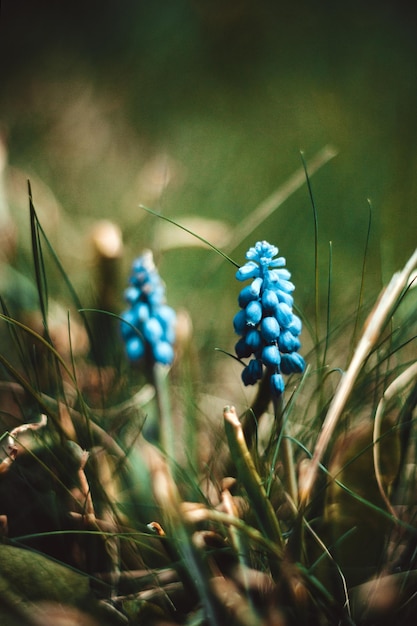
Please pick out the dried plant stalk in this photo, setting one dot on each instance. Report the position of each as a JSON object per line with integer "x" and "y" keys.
{"x": 373, "y": 327}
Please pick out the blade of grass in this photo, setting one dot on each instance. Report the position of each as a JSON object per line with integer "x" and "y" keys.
{"x": 38, "y": 261}
{"x": 20, "y": 349}
{"x": 281, "y": 435}
{"x": 273, "y": 202}
{"x": 41, "y": 340}
{"x": 316, "y": 247}
{"x": 394, "y": 389}
{"x": 361, "y": 288}
{"x": 187, "y": 230}
{"x": 37, "y": 231}
{"x": 250, "y": 478}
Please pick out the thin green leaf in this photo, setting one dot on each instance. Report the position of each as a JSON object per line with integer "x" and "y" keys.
{"x": 361, "y": 288}
{"x": 38, "y": 261}
{"x": 187, "y": 230}
{"x": 329, "y": 290}
{"x": 316, "y": 246}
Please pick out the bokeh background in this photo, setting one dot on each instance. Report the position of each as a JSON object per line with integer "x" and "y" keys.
{"x": 200, "y": 108}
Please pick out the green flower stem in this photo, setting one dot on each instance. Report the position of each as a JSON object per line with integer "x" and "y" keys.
{"x": 250, "y": 478}
{"x": 165, "y": 427}
{"x": 287, "y": 458}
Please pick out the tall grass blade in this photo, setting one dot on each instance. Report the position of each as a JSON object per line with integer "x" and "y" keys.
{"x": 38, "y": 261}
{"x": 329, "y": 292}
{"x": 273, "y": 202}
{"x": 362, "y": 284}
{"x": 316, "y": 246}
{"x": 37, "y": 231}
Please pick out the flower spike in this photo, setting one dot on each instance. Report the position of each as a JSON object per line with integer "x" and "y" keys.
{"x": 148, "y": 326}
{"x": 266, "y": 323}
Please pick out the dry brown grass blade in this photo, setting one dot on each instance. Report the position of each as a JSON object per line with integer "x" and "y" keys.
{"x": 373, "y": 327}
{"x": 393, "y": 390}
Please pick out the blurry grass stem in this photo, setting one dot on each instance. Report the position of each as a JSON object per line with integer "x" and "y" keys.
{"x": 373, "y": 327}
{"x": 278, "y": 197}
{"x": 165, "y": 427}
{"x": 329, "y": 292}
{"x": 306, "y": 168}
{"x": 361, "y": 289}
{"x": 284, "y": 442}
{"x": 273, "y": 202}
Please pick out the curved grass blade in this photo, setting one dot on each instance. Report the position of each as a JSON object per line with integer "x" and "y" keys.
{"x": 42, "y": 340}
{"x": 190, "y": 232}
{"x": 394, "y": 389}
{"x": 16, "y": 340}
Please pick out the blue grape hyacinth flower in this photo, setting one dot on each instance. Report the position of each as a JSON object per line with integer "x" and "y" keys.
{"x": 148, "y": 325}
{"x": 269, "y": 330}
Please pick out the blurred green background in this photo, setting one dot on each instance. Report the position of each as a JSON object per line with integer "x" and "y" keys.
{"x": 201, "y": 108}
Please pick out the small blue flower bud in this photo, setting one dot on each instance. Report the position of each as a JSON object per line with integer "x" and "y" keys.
{"x": 249, "y": 270}
{"x": 277, "y": 385}
{"x": 253, "y": 339}
{"x": 280, "y": 283}
{"x": 263, "y": 252}
{"x": 252, "y": 372}
{"x": 242, "y": 349}
{"x": 253, "y": 313}
{"x": 166, "y": 316}
{"x": 287, "y": 342}
{"x": 296, "y": 326}
{"x": 285, "y": 297}
{"x": 127, "y": 326}
{"x": 292, "y": 363}
{"x": 163, "y": 352}
{"x": 152, "y": 330}
{"x": 284, "y": 314}
{"x": 246, "y": 295}
{"x": 142, "y": 312}
{"x": 269, "y": 329}
{"x": 131, "y": 294}
{"x": 256, "y": 286}
{"x": 135, "y": 348}
{"x": 269, "y": 301}
{"x": 271, "y": 356}
{"x": 239, "y": 322}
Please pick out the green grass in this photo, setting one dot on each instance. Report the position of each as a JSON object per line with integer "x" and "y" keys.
{"x": 300, "y": 513}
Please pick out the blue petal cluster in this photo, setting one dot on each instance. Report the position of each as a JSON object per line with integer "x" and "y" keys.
{"x": 268, "y": 327}
{"x": 148, "y": 326}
